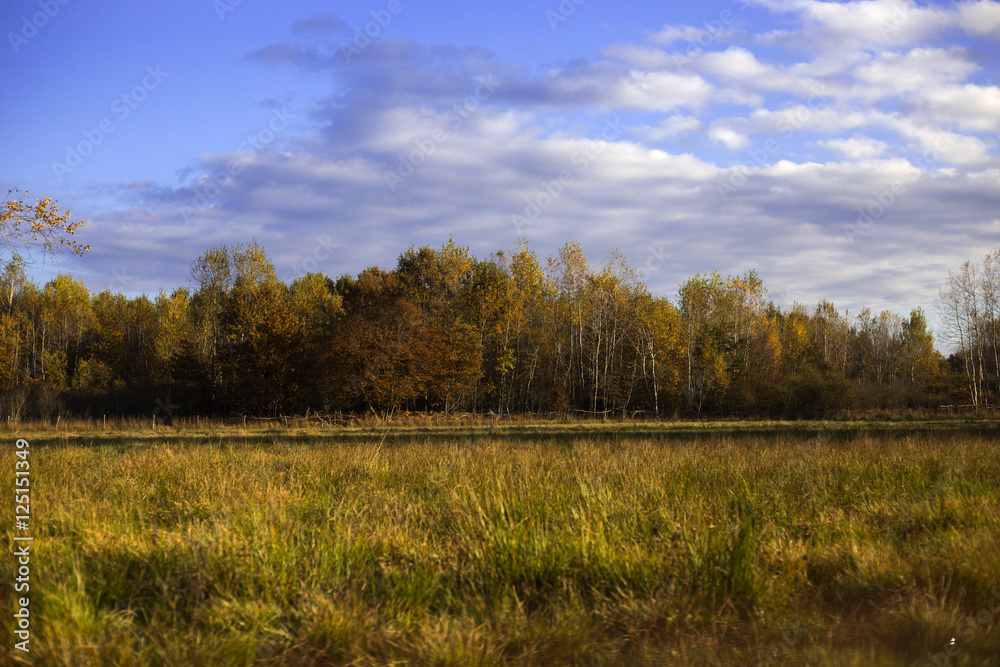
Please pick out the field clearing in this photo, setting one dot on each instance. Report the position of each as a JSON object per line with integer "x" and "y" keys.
{"x": 528, "y": 544}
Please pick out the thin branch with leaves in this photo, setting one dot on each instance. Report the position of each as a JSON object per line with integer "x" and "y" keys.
{"x": 37, "y": 226}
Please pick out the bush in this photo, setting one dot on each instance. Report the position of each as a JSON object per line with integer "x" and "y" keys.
{"x": 813, "y": 394}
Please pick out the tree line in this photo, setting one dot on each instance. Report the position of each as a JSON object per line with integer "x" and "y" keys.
{"x": 446, "y": 331}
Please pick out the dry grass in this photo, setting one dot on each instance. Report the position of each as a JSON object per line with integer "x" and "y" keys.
{"x": 539, "y": 544}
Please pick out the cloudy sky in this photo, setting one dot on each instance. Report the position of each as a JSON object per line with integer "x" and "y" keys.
{"x": 846, "y": 150}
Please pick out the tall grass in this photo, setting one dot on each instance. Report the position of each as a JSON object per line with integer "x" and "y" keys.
{"x": 535, "y": 548}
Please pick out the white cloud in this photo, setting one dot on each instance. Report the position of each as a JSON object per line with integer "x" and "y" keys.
{"x": 934, "y": 143}
{"x": 734, "y": 63}
{"x": 732, "y": 139}
{"x": 874, "y": 24}
{"x": 844, "y": 26}
{"x": 857, "y": 148}
{"x": 803, "y": 118}
{"x": 871, "y": 72}
{"x": 979, "y": 18}
{"x": 892, "y": 73}
{"x": 662, "y": 91}
{"x": 972, "y": 107}
{"x": 667, "y": 128}
{"x": 675, "y": 33}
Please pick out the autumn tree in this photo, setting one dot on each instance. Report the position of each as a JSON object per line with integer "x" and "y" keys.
{"x": 525, "y": 339}
{"x": 12, "y": 283}
{"x": 316, "y": 305}
{"x": 702, "y": 306}
{"x": 123, "y": 352}
{"x": 658, "y": 348}
{"x": 212, "y": 275}
{"x": 969, "y": 303}
{"x": 373, "y": 360}
{"x": 442, "y": 283}
{"x": 263, "y": 353}
{"x": 831, "y": 332}
{"x": 919, "y": 361}
{"x": 250, "y": 340}
{"x": 12, "y": 280}
{"x": 447, "y": 331}
{"x": 182, "y": 375}
{"x": 612, "y": 304}
{"x": 436, "y": 280}
{"x": 488, "y": 306}
{"x": 38, "y": 226}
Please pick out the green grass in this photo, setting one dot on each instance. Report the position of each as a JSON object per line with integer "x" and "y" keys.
{"x": 733, "y": 543}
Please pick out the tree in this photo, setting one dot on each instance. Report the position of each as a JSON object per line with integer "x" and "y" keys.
{"x": 960, "y": 308}
{"x": 263, "y": 340}
{"x": 447, "y": 344}
{"x": 831, "y": 333}
{"x": 447, "y": 361}
{"x": 447, "y": 331}
{"x": 38, "y": 225}
{"x": 374, "y": 358}
{"x": 657, "y": 341}
{"x": 12, "y": 280}
{"x": 920, "y": 360}
{"x": 526, "y": 335}
{"x": 702, "y": 305}
{"x": 68, "y": 317}
{"x": 486, "y": 305}
{"x": 435, "y": 280}
{"x": 970, "y": 307}
{"x": 211, "y": 274}
{"x": 570, "y": 273}
{"x": 316, "y": 304}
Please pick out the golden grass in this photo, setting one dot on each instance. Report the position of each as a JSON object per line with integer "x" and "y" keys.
{"x": 540, "y": 544}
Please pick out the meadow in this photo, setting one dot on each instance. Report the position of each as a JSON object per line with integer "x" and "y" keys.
{"x": 761, "y": 543}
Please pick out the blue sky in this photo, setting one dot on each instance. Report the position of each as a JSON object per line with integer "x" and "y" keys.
{"x": 845, "y": 150}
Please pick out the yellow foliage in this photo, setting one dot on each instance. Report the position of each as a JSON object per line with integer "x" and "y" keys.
{"x": 38, "y": 225}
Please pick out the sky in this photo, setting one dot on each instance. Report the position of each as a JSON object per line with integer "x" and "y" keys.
{"x": 845, "y": 150}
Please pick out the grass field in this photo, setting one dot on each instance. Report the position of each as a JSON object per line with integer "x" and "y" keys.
{"x": 581, "y": 544}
